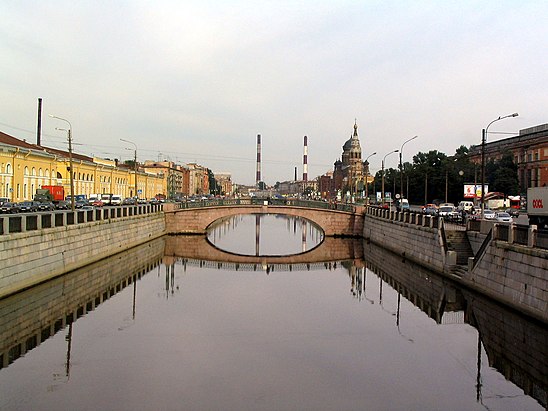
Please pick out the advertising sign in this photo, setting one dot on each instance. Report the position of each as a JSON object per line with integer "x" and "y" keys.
{"x": 474, "y": 190}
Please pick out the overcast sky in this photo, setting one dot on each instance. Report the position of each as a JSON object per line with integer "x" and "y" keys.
{"x": 198, "y": 80}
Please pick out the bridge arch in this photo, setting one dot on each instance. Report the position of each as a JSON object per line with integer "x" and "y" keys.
{"x": 196, "y": 220}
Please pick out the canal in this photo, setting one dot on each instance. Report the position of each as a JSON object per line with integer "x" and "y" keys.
{"x": 162, "y": 327}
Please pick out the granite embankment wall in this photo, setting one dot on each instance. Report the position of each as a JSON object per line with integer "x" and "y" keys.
{"x": 413, "y": 236}
{"x": 31, "y": 257}
{"x": 513, "y": 274}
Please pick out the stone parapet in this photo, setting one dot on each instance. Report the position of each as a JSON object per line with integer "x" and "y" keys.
{"x": 31, "y": 257}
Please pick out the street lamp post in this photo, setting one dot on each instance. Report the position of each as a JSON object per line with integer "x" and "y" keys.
{"x": 483, "y": 141}
{"x": 367, "y": 177}
{"x": 401, "y": 165}
{"x": 134, "y": 163}
{"x": 382, "y": 172}
{"x": 69, "y": 136}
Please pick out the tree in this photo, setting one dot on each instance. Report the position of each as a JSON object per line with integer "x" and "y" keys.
{"x": 502, "y": 175}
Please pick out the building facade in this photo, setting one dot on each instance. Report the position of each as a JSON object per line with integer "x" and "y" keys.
{"x": 349, "y": 172}
{"x": 25, "y": 167}
{"x": 530, "y": 151}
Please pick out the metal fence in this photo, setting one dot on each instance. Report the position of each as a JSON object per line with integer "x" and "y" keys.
{"x": 349, "y": 208}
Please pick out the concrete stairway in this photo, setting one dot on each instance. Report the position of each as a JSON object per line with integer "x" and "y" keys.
{"x": 458, "y": 241}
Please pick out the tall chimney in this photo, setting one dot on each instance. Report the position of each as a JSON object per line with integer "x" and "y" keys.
{"x": 258, "y": 178}
{"x": 305, "y": 160}
{"x": 39, "y": 128}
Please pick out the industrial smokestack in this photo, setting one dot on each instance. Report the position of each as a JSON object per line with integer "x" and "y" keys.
{"x": 39, "y": 128}
{"x": 258, "y": 178}
{"x": 295, "y": 173}
{"x": 305, "y": 160}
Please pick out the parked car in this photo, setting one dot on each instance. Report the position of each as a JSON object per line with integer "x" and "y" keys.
{"x": 9, "y": 208}
{"x": 47, "y": 206}
{"x": 503, "y": 217}
{"x": 97, "y": 203}
{"x": 4, "y": 200}
{"x": 489, "y": 214}
{"x": 28, "y": 206}
{"x": 62, "y": 205}
{"x": 129, "y": 201}
{"x": 80, "y": 203}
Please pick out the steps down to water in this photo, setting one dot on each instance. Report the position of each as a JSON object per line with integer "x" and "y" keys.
{"x": 458, "y": 241}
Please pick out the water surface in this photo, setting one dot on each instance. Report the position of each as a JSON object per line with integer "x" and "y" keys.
{"x": 140, "y": 331}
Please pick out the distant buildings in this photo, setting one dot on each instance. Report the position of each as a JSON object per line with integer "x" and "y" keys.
{"x": 530, "y": 151}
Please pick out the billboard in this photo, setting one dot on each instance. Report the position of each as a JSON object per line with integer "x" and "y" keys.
{"x": 474, "y": 190}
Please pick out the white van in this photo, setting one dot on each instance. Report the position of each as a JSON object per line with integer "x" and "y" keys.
{"x": 116, "y": 200}
{"x": 466, "y": 206}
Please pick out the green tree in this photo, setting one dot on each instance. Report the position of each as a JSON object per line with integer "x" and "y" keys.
{"x": 502, "y": 175}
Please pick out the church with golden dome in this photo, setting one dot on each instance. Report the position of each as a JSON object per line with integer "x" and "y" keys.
{"x": 349, "y": 172}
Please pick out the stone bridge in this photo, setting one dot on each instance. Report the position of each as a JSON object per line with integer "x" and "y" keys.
{"x": 335, "y": 220}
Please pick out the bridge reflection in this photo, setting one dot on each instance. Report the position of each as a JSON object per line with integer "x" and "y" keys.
{"x": 196, "y": 247}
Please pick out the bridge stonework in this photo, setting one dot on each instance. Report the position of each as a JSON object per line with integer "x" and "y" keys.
{"x": 334, "y": 223}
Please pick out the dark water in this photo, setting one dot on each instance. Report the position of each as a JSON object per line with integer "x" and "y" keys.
{"x": 162, "y": 328}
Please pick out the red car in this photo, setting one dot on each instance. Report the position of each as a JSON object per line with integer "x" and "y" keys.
{"x": 97, "y": 203}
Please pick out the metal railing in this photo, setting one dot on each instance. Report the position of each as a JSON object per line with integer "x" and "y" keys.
{"x": 349, "y": 208}
{"x": 20, "y": 223}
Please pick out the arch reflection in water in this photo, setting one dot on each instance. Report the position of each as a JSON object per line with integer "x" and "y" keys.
{"x": 265, "y": 234}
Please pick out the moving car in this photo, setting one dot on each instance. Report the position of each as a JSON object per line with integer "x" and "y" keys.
{"x": 489, "y": 214}
{"x": 503, "y": 217}
{"x": 514, "y": 212}
{"x": 466, "y": 206}
{"x": 430, "y": 210}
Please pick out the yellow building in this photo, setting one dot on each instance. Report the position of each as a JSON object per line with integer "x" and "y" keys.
{"x": 25, "y": 167}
